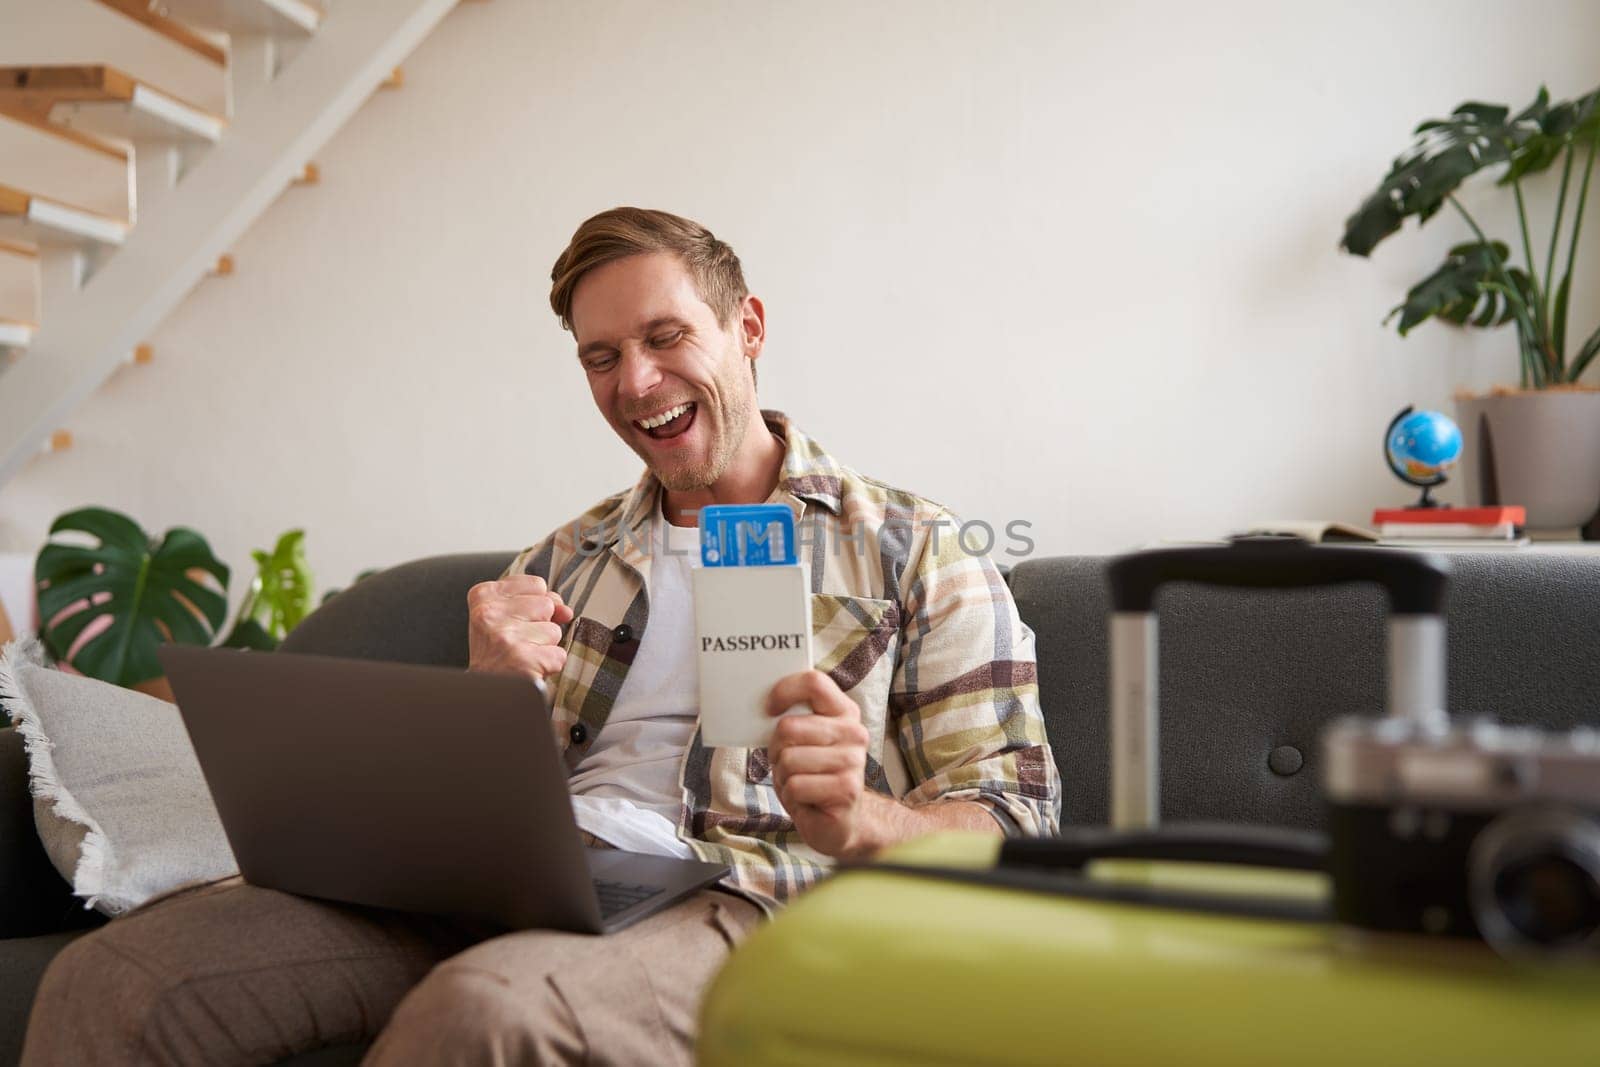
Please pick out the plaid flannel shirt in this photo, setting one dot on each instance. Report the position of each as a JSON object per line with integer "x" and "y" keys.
{"x": 923, "y": 636}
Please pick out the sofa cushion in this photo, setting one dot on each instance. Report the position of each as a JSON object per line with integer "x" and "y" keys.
{"x": 1249, "y": 678}
{"x": 119, "y": 801}
{"x": 22, "y": 964}
{"x": 34, "y": 899}
{"x": 412, "y": 613}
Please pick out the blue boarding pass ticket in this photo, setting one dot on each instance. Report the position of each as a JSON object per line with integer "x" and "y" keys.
{"x": 746, "y": 535}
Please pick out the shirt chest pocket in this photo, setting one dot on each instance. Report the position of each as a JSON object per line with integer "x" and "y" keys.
{"x": 853, "y": 637}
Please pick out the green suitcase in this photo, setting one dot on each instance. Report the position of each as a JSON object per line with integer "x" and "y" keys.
{"x": 884, "y": 967}
{"x": 1196, "y": 945}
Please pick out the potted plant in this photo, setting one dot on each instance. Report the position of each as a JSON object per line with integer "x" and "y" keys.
{"x": 1537, "y": 445}
{"x": 279, "y": 596}
{"x": 103, "y": 609}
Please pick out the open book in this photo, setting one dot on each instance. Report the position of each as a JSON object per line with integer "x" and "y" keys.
{"x": 1315, "y": 530}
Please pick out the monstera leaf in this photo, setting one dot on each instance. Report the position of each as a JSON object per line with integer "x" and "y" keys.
{"x": 1567, "y": 123}
{"x": 1466, "y": 289}
{"x": 148, "y": 591}
{"x": 1446, "y": 153}
{"x": 279, "y": 596}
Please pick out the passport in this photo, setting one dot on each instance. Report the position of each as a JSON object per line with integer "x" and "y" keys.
{"x": 752, "y": 613}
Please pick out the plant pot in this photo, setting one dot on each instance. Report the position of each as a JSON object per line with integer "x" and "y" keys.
{"x": 156, "y": 687}
{"x": 1540, "y": 449}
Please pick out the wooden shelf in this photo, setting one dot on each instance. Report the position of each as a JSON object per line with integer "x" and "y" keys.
{"x": 18, "y": 249}
{"x": 150, "y": 15}
{"x": 50, "y": 222}
{"x": 103, "y": 102}
{"x": 248, "y": 16}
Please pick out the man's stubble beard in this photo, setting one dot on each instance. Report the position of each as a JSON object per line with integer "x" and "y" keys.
{"x": 735, "y": 424}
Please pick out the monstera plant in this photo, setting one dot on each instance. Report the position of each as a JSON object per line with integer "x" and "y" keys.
{"x": 1478, "y": 284}
{"x": 128, "y": 593}
{"x": 1539, "y": 446}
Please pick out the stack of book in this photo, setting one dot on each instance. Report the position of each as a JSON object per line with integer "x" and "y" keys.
{"x": 1452, "y": 527}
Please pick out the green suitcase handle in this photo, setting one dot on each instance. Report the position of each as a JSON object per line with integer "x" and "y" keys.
{"x": 1055, "y": 866}
{"x": 1250, "y": 846}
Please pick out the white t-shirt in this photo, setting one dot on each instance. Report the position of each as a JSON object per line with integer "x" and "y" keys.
{"x": 626, "y": 791}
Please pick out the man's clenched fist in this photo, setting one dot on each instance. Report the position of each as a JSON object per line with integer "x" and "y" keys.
{"x": 514, "y": 627}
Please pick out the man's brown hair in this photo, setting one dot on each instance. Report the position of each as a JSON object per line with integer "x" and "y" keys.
{"x": 631, "y": 231}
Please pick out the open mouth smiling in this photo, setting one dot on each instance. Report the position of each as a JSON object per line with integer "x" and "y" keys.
{"x": 669, "y": 423}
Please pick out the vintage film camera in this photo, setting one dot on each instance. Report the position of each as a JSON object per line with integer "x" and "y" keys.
{"x": 1467, "y": 828}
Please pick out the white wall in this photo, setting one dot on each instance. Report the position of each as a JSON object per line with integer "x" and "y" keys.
{"x": 1068, "y": 263}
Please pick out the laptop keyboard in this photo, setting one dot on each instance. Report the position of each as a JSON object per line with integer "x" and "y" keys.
{"x": 619, "y": 896}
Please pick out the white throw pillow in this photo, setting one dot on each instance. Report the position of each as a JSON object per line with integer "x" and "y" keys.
{"x": 118, "y": 799}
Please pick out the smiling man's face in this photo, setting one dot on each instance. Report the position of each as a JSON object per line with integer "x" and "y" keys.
{"x": 651, "y": 348}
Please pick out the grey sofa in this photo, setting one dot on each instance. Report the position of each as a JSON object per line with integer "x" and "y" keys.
{"x": 1248, "y": 679}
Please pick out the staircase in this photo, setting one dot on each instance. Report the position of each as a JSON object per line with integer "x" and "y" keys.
{"x": 197, "y": 180}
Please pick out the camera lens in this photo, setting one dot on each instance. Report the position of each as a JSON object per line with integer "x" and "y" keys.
{"x": 1550, "y": 900}
{"x": 1534, "y": 880}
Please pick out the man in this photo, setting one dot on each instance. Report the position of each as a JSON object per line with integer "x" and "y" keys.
{"x": 924, "y": 717}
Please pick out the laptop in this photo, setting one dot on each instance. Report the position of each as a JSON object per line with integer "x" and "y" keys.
{"x": 400, "y": 786}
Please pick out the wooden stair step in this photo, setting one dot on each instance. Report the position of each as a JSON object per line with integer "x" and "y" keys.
{"x": 94, "y": 142}
{"x": 276, "y": 17}
{"x": 50, "y": 222}
{"x": 104, "y": 102}
{"x": 155, "y": 18}
{"x": 15, "y": 333}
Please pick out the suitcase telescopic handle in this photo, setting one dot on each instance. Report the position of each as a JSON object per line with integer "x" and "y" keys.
{"x": 1251, "y": 846}
{"x": 1416, "y": 584}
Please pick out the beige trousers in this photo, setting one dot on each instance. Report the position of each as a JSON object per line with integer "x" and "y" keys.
{"x": 231, "y": 974}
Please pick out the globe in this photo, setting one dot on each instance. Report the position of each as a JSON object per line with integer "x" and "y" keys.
{"x": 1422, "y": 445}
